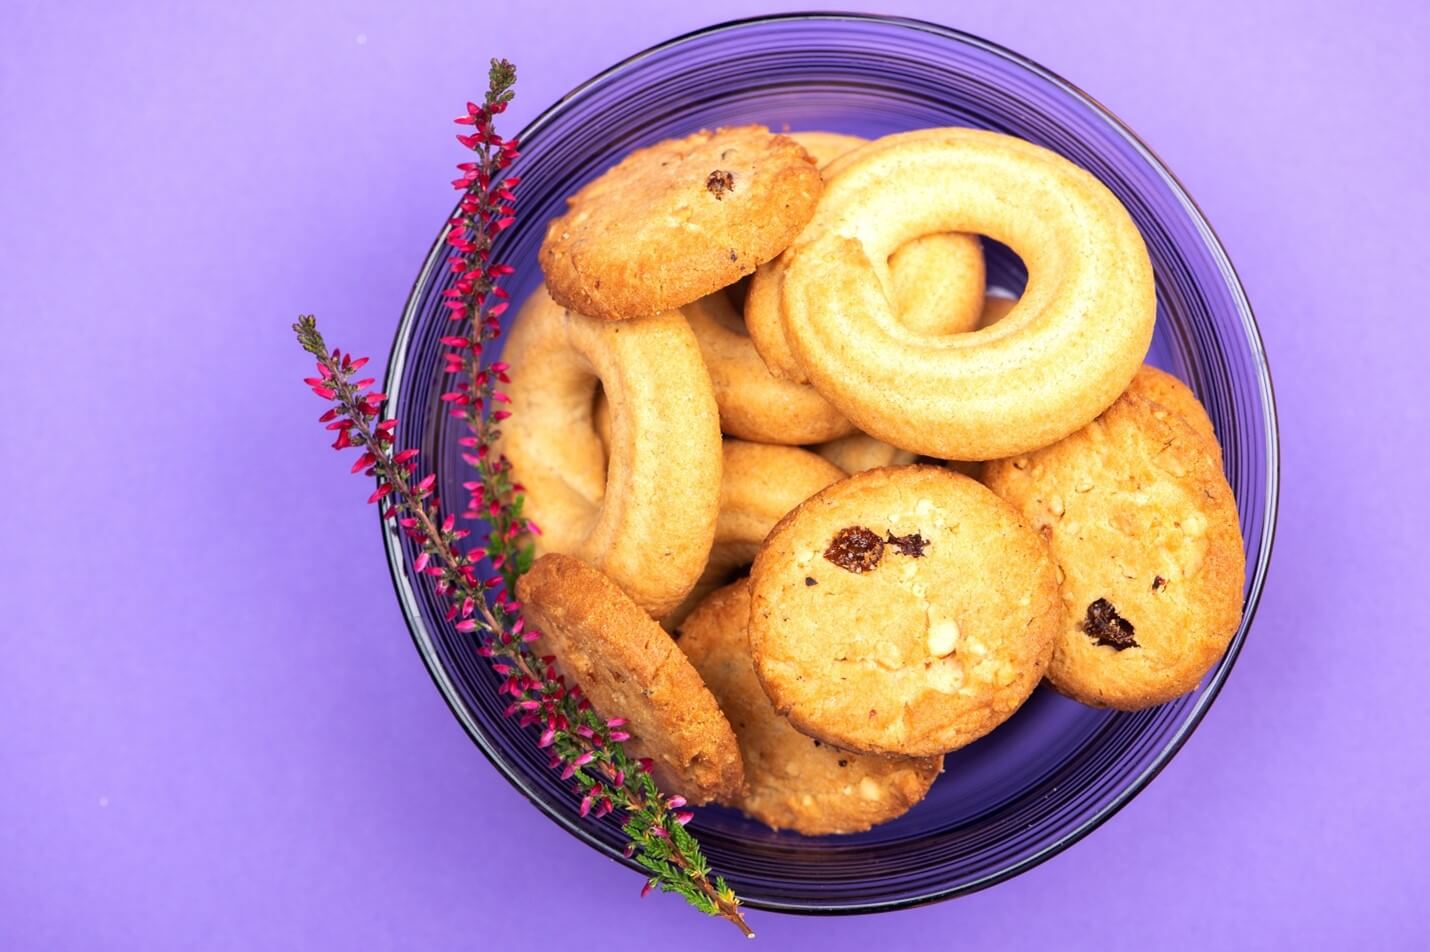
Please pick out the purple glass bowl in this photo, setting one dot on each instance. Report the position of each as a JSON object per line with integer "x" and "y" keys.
{"x": 1056, "y": 769}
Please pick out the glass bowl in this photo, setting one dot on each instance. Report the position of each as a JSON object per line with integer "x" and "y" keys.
{"x": 1057, "y": 769}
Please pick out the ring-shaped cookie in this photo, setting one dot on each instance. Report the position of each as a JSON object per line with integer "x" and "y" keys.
{"x": 754, "y": 404}
{"x": 936, "y": 280}
{"x": 1061, "y": 357}
{"x": 759, "y": 485}
{"x": 647, "y": 518}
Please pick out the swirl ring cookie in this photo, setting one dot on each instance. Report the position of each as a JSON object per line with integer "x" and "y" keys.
{"x": 754, "y": 404}
{"x": 628, "y": 667}
{"x": 1144, "y": 529}
{"x": 1060, "y": 358}
{"x": 904, "y": 611}
{"x": 761, "y": 483}
{"x": 648, "y": 517}
{"x": 860, "y": 451}
{"x": 678, "y": 220}
{"x": 937, "y": 280}
{"x": 792, "y": 781}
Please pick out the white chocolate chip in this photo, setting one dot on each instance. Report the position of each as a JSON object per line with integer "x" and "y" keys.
{"x": 945, "y": 676}
{"x": 889, "y": 656}
{"x": 942, "y": 638}
{"x": 869, "y": 790}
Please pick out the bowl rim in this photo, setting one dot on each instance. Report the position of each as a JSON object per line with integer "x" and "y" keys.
{"x": 421, "y": 637}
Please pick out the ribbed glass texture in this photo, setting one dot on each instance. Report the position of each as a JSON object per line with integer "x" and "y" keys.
{"x": 1057, "y": 769}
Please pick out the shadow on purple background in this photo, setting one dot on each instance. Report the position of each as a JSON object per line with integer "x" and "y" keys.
{"x": 214, "y": 731}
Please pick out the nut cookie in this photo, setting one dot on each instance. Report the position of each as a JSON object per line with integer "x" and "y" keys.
{"x": 903, "y": 611}
{"x": 629, "y": 667}
{"x": 1144, "y": 529}
{"x": 678, "y": 220}
{"x": 792, "y": 781}
{"x": 1161, "y": 387}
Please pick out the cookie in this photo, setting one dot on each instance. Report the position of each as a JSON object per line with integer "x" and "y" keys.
{"x": 761, "y": 483}
{"x": 792, "y": 781}
{"x": 647, "y": 516}
{"x": 904, "y": 611}
{"x": 628, "y": 667}
{"x": 1161, "y": 387}
{"x": 936, "y": 280}
{"x": 1069, "y": 348}
{"x": 1144, "y": 529}
{"x": 754, "y": 405}
{"x": 860, "y": 451}
{"x": 678, "y": 220}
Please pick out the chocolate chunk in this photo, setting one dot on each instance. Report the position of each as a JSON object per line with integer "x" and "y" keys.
{"x": 843, "y": 762}
{"x": 809, "y": 581}
{"x": 855, "y": 549}
{"x": 1158, "y": 584}
{"x": 912, "y": 545}
{"x": 1106, "y": 627}
{"x": 719, "y": 182}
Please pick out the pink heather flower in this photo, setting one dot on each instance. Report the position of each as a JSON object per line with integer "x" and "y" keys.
{"x": 675, "y": 802}
{"x": 649, "y": 885}
{"x": 683, "y": 817}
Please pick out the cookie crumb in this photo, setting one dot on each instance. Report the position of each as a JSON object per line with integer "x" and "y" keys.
{"x": 1106, "y": 627}
{"x": 1158, "y": 584}
{"x": 719, "y": 182}
{"x": 808, "y": 581}
{"x": 855, "y": 549}
{"x": 912, "y": 545}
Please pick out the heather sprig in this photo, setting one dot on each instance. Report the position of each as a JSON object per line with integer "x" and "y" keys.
{"x": 586, "y": 748}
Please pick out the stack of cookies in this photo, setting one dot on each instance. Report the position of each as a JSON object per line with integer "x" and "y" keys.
{"x": 816, "y": 509}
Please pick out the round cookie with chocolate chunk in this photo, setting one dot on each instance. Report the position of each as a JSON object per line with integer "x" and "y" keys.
{"x": 792, "y": 781}
{"x": 1159, "y": 386}
{"x": 904, "y": 611}
{"x": 628, "y": 667}
{"x": 678, "y": 220}
{"x": 1144, "y": 529}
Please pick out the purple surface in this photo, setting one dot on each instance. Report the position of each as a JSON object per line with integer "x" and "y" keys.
{"x": 214, "y": 731}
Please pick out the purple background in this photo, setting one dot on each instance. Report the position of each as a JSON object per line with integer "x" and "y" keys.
{"x": 214, "y": 731}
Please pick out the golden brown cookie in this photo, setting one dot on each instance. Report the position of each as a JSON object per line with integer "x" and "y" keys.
{"x": 1159, "y": 386}
{"x": 761, "y": 484}
{"x": 936, "y": 280}
{"x": 902, "y": 611}
{"x": 1060, "y": 358}
{"x": 792, "y": 781}
{"x": 860, "y": 451}
{"x": 647, "y": 518}
{"x": 678, "y": 220}
{"x": 629, "y": 667}
{"x": 754, "y": 405}
{"x": 1144, "y": 529}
